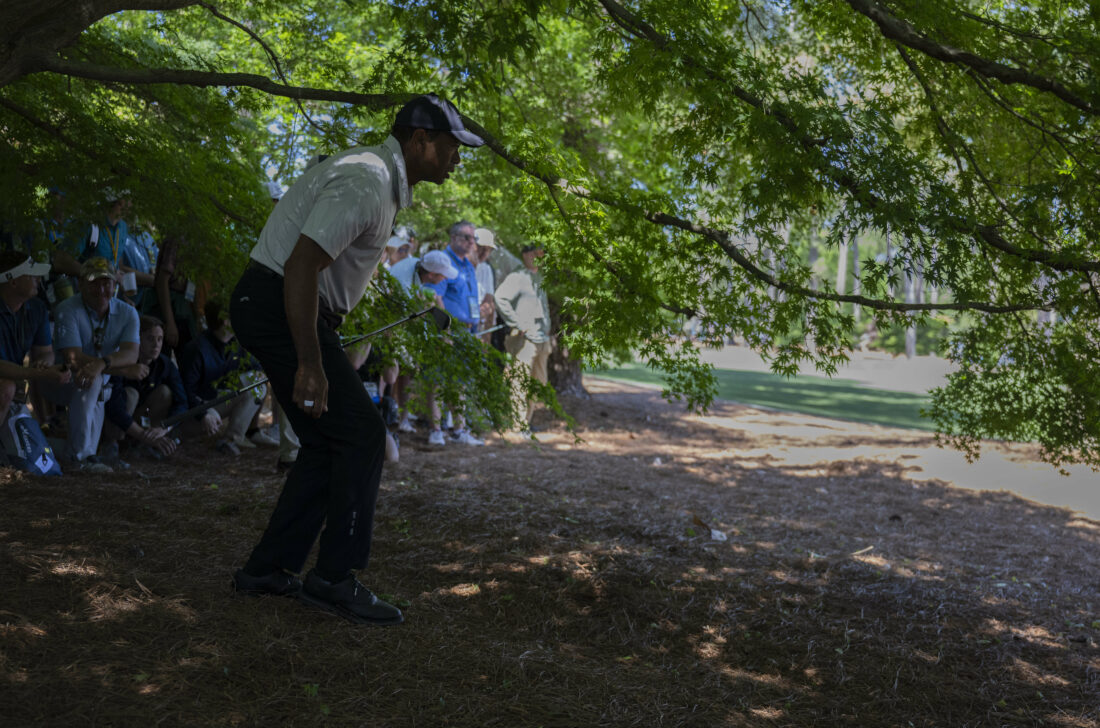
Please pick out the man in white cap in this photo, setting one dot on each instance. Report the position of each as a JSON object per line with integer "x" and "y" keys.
{"x": 24, "y": 328}
{"x": 97, "y": 335}
{"x": 311, "y": 266}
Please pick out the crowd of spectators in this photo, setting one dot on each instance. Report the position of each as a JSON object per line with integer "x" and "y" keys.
{"x": 120, "y": 355}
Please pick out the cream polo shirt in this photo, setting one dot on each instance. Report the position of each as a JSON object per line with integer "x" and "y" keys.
{"x": 347, "y": 204}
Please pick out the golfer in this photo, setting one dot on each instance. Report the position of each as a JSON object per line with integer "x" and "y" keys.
{"x": 311, "y": 266}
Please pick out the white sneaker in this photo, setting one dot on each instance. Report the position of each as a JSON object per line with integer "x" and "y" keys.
{"x": 465, "y": 437}
{"x": 405, "y": 426}
{"x": 264, "y": 439}
{"x": 436, "y": 438}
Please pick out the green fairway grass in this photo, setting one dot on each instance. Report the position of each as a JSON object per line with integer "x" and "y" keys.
{"x": 838, "y": 398}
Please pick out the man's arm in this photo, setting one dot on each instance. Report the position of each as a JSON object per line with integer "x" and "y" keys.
{"x": 504, "y": 298}
{"x": 300, "y": 273}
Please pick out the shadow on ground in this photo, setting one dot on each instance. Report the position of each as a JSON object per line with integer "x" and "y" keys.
{"x": 561, "y": 584}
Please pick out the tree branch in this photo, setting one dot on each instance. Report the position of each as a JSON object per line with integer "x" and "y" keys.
{"x": 383, "y": 101}
{"x": 903, "y": 32}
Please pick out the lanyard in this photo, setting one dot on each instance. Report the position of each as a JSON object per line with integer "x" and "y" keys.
{"x": 99, "y": 332}
{"x": 113, "y": 241}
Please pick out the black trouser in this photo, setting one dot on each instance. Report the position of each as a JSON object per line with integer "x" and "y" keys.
{"x": 335, "y": 480}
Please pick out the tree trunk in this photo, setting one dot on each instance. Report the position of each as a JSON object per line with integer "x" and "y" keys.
{"x": 857, "y": 284}
{"x": 564, "y": 373}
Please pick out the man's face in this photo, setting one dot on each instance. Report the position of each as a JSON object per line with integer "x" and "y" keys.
{"x": 432, "y": 278}
{"x": 26, "y": 286}
{"x": 97, "y": 293}
{"x": 463, "y": 240}
{"x": 152, "y": 340}
{"x": 438, "y": 157}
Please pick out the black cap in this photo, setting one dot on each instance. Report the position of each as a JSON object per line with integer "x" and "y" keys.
{"x": 431, "y": 112}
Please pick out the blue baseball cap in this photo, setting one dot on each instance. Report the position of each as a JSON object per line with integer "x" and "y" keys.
{"x": 431, "y": 112}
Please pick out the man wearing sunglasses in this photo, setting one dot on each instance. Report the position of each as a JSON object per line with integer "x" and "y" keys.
{"x": 24, "y": 328}
{"x": 96, "y": 334}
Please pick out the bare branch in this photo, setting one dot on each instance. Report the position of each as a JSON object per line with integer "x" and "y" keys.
{"x": 903, "y": 32}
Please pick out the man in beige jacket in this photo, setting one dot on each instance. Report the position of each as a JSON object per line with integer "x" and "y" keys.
{"x": 524, "y": 309}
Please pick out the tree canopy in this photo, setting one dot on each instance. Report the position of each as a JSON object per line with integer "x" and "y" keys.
{"x": 682, "y": 158}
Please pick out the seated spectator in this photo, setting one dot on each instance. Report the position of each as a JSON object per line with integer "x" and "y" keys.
{"x": 525, "y": 311}
{"x": 206, "y": 364}
{"x": 97, "y": 335}
{"x": 24, "y": 329}
{"x": 148, "y": 391}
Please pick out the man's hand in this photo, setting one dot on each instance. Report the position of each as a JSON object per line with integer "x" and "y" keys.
{"x": 88, "y": 370}
{"x": 211, "y": 422}
{"x": 311, "y": 389}
{"x": 171, "y": 335}
{"x": 157, "y": 437}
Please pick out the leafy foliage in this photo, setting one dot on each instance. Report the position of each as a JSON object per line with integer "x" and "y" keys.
{"x": 677, "y": 159}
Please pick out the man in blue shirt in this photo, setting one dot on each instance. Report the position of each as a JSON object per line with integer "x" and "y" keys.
{"x": 97, "y": 335}
{"x": 24, "y": 328}
{"x": 460, "y": 294}
{"x": 107, "y": 239}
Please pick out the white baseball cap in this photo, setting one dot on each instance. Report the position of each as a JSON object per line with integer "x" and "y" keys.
{"x": 396, "y": 242}
{"x": 485, "y": 238}
{"x": 436, "y": 261}
{"x": 30, "y": 268}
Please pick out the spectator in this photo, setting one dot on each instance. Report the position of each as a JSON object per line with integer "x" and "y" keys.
{"x": 24, "y": 329}
{"x": 108, "y": 240}
{"x": 406, "y": 232}
{"x": 65, "y": 249}
{"x": 97, "y": 335}
{"x": 525, "y": 311}
{"x": 149, "y": 390}
{"x": 139, "y": 257}
{"x": 460, "y": 293}
{"x": 486, "y": 278}
{"x": 207, "y": 362}
{"x": 175, "y": 301}
{"x": 397, "y": 249}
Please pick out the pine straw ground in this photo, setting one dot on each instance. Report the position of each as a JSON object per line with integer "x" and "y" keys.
{"x": 561, "y": 584}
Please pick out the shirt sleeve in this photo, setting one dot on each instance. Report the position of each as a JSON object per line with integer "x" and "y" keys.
{"x": 343, "y": 209}
{"x": 67, "y": 330}
{"x": 131, "y": 331}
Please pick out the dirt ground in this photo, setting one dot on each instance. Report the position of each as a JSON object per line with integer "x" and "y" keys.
{"x": 740, "y": 569}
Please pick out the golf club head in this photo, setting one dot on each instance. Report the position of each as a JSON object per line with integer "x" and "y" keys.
{"x": 442, "y": 319}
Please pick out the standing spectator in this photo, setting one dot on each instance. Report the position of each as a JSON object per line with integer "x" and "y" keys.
{"x": 175, "y": 300}
{"x": 486, "y": 278}
{"x": 108, "y": 238}
{"x": 97, "y": 335}
{"x": 24, "y": 329}
{"x": 407, "y": 232}
{"x": 460, "y": 294}
{"x": 139, "y": 256}
{"x": 311, "y": 266}
{"x": 461, "y": 300}
{"x": 151, "y": 390}
{"x": 205, "y": 365}
{"x": 397, "y": 250}
{"x": 525, "y": 311}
